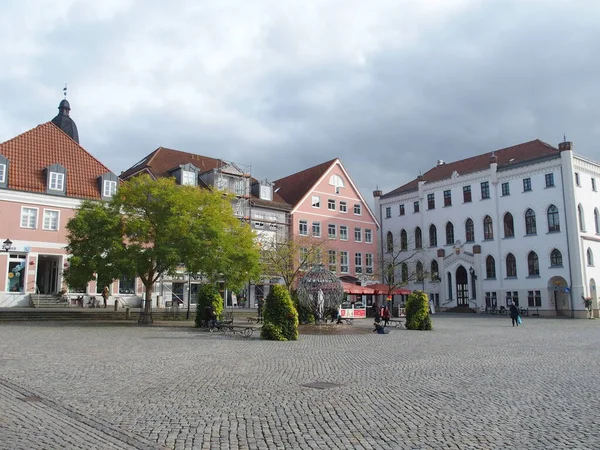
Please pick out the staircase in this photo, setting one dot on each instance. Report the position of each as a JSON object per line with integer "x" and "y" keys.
{"x": 461, "y": 309}
{"x": 47, "y": 301}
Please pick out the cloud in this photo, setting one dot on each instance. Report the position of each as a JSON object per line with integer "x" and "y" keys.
{"x": 388, "y": 86}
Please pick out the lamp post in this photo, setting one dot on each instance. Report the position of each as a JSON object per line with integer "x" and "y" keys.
{"x": 7, "y": 245}
{"x": 473, "y": 278}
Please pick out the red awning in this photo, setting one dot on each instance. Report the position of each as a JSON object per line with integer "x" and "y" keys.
{"x": 355, "y": 289}
{"x": 385, "y": 290}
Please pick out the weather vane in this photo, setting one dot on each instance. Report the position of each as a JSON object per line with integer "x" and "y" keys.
{"x": 65, "y": 91}
{"x": 564, "y": 138}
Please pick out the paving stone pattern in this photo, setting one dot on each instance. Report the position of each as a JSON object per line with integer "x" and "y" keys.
{"x": 473, "y": 383}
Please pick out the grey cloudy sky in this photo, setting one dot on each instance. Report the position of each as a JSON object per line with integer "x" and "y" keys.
{"x": 389, "y": 86}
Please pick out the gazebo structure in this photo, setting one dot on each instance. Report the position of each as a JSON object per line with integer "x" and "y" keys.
{"x": 319, "y": 291}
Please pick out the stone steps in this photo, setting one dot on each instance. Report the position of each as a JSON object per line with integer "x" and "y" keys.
{"x": 47, "y": 301}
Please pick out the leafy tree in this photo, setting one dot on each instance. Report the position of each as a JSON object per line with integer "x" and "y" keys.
{"x": 151, "y": 227}
{"x": 208, "y": 294}
{"x": 417, "y": 311}
{"x": 279, "y": 316}
{"x": 289, "y": 258}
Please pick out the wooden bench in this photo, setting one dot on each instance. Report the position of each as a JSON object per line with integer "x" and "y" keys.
{"x": 242, "y": 330}
{"x": 396, "y": 322}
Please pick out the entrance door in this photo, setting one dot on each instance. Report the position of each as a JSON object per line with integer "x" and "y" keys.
{"x": 47, "y": 274}
{"x": 462, "y": 287}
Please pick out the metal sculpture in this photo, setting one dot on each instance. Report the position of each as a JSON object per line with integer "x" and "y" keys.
{"x": 320, "y": 291}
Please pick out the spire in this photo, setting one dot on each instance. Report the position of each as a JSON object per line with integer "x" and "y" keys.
{"x": 63, "y": 119}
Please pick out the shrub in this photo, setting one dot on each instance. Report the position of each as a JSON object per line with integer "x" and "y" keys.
{"x": 305, "y": 315}
{"x": 279, "y": 312}
{"x": 208, "y": 295}
{"x": 271, "y": 332}
{"x": 417, "y": 312}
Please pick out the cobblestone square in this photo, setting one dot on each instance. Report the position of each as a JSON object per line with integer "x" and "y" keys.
{"x": 475, "y": 382}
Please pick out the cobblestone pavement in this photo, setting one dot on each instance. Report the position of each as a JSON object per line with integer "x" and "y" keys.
{"x": 473, "y": 383}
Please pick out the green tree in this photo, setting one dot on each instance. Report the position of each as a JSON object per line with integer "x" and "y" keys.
{"x": 417, "y": 311}
{"x": 208, "y": 295}
{"x": 151, "y": 227}
{"x": 279, "y": 316}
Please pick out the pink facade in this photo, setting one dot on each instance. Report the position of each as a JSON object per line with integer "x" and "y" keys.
{"x": 334, "y": 212}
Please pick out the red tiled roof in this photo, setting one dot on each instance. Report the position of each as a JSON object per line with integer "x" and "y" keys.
{"x": 31, "y": 152}
{"x": 506, "y": 157}
{"x": 293, "y": 187}
{"x": 162, "y": 160}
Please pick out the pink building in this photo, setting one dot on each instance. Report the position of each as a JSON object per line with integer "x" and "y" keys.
{"x": 44, "y": 176}
{"x": 326, "y": 205}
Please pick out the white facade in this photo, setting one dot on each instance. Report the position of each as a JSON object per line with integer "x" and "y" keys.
{"x": 535, "y": 193}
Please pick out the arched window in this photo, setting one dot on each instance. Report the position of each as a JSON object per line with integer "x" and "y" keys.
{"x": 509, "y": 225}
{"x": 390, "y": 242}
{"x": 581, "y": 217}
{"x": 390, "y": 274}
{"x": 419, "y": 271}
{"x": 418, "y": 238}
{"x": 511, "y": 265}
{"x": 403, "y": 240}
{"x": 530, "y": 225}
{"x": 469, "y": 231}
{"x": 404, "y": 273}
{"x": 490, "y": 267}
{"x": 590, "y": 257}
{"x": 435, "y": 273}
{"x": 432, "y": 235}
{"x": 488, "y": 228}
{"x": 556, "y": 258}
{"x": 533, "y": 264}
{"x": 553, "y": 220}
{"x": 596, "y": 221}
{"x": 449, "y": 233}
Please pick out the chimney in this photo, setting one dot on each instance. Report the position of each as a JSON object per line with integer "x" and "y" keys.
{"x": 493, "y": 158}
{"x": 565, "y": 146}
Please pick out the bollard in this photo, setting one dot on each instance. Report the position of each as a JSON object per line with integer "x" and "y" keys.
{"x": 126, "y": 313}
{"x": 116, "y": 304}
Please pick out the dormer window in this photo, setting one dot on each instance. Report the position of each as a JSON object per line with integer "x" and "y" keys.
{"x": 266, "y": 192}
{"x": 57, "y": 181}
{"x": 2, "y": 173}
{"x": 109, "y": 189}
{"x": 188, "y": 178}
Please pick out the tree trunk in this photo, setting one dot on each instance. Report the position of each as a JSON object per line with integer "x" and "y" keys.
{"x": 146, "y": 313}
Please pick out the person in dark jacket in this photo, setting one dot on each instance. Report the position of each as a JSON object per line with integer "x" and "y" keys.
{"x": 514, "y": 314}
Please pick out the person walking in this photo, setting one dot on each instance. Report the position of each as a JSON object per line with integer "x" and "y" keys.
{"x": 105, "y": 295}
{"x": 514, "y": 314}
{"x": 386, "y": 316}
{"x": 260, "y": 305}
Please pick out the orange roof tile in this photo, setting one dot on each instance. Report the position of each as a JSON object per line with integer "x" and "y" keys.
{"x": 295, "y": 186}
{"x": 31, "y": 152}
{"x": 506, "y": 158}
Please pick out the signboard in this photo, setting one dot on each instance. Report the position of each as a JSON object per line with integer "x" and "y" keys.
{"x": 351, "y": 313}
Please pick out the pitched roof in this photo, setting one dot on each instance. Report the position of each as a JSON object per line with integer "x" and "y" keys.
{"x": 162, "y": 160}
{"x": 506, "y": 157}
{"x": 31, "y": 152}
{"x": 295, "y": 186}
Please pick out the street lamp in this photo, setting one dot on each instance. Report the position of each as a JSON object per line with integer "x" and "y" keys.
{"x": 472, "y": 272}
{"x": 7, "y": 245}
{"x": 473, "y": 278}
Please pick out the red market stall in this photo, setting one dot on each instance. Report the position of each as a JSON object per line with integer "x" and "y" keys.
{"x": 355, "y": 310}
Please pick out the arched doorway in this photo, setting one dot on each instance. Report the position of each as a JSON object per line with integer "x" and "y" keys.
{"x": 559, "y": 295}
{"x": 462, "y": 287}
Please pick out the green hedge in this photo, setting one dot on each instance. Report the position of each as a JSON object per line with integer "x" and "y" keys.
{"x": 280, "y": 317}
{"x": 417, "y": 312}
{"x": 208, "y": 294}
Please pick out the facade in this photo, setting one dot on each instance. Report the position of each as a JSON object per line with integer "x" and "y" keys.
{"x": 44, "y": 176}
{"x": 327, "y": 206}
{"x": 255, "y": 202}
{"x": 518, "y": 225}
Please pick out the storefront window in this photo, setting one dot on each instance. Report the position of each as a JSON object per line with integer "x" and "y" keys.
{"x": 16, "y": 273}
{"x": 127, "y": 285}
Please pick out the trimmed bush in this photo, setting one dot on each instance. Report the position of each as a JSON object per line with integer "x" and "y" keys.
{"x": 208, "y": 295}
{"x": 279, "y": 316}
{"x": 417, "y": 311}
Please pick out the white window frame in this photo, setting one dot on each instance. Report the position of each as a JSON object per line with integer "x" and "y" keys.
{"x": 188, "y": 178}
{"x": 358, "y": 263}
{"x": 57, "y": 219}
{"x": 388, "y": 212}
{"x": 343, "y": 232}
{"x": 331, "y": 235}
{"x": 303, "y": 228}
{"x": 357, "y": 234}
{"x": 369, "y": 263}
{"x": 368, "y": 236}
{"x": 2, "y": 173}
{"x": 57, "y": 181}
{"x": 316, "y": 201}
{"x": 332, "y": 260}
{"x": 344, "y": 262}
{"x": 23, "y": 208}
{"x": 109, "y": 189}
{"x": 357, "y": 207}
{"x": 331, "y": 204}
{"x": 316, "y": 226}
{"x": 343, "y": 207}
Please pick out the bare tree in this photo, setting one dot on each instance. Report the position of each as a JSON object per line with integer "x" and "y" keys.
{"x": 289, "y": 258}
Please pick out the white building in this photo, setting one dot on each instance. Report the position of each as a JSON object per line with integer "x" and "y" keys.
{"x": 519, "y": 225}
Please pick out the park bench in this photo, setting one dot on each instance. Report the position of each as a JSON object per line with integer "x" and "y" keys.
{"x": 396, "y": 322}
{"x": 227, "y": 326}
